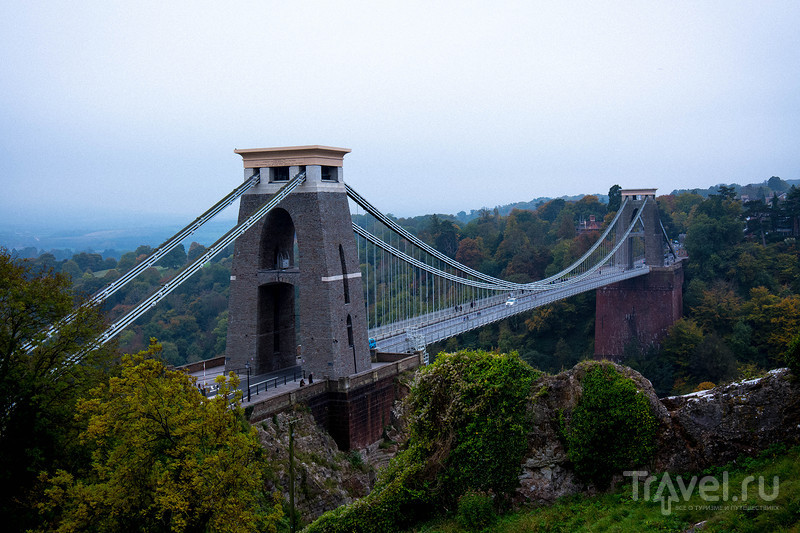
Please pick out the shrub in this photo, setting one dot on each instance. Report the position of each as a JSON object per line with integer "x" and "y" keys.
{"x": 470, "y": 414}
{"x": 475, "y": 510}
{"x": 792, "y": 356}
{"x": 611, "y": 428}
{"x": 467, "y": 431}
{"x": 706, "y": 385}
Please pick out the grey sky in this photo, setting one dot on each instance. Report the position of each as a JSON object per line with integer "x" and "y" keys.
{"x": 137, "y": 106}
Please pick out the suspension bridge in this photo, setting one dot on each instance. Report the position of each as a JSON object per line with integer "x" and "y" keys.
{"x": 413, "y": 294}
{"x": 316, "y": 287}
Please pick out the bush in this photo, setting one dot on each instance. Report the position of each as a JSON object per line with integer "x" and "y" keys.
{"x": 706, "y": 385}
{"x": 611, "y": 428}
{"x": 475, "y": 510}
{"x": 467, "y": 429}
{"x": 792, "y": 356}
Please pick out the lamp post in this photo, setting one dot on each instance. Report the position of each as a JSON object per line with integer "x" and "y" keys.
{"x": 247, "y": 366}
{"x": 293, "y": 515}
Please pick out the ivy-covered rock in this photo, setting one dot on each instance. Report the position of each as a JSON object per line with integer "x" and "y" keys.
{"x": 549, "y": 472}
{"x": 468, "y": 424}
{"x": 612, "y": 427}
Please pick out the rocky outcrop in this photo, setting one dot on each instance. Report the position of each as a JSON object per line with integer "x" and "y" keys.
{"x": 325, "y": 477}
{"x": 546, "y": 472}
{"x": 694, "y": 431}
{"x": 718, "y": 425}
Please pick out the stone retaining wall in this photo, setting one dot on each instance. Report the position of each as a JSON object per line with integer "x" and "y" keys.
{"x": 353, "y": 409}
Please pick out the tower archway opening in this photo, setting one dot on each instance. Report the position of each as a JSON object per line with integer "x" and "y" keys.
{"x": 278, "y": 238}
{"x": 276, "y": 342}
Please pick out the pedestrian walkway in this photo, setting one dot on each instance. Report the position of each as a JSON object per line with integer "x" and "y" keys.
{"x": 260, "y": 388}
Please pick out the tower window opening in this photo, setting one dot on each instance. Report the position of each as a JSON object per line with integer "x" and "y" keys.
{"x": 279, "y": 174}
{"x": 329, "y": 173}
{"x": 345, "y": 282}
{"x": 350, "y": 331}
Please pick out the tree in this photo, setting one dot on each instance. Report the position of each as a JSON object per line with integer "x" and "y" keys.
{"x": 680, "y": 344}
{"x": 90, "y": 262}
{"x": 614, "y": 198}
{"x": 712, "y": 360}
{"x": 551, "y": 209}
{"x": 792, "y": 208}
{"x": 777, "y": 184}
{"x": 164, "y": 458}
{"x": 714, "y": 227}
{"x": 792, "y": 356}
{"x": 195, "y": 250}
{"x": 729, "y": 193}
{"x": 612, "y": 427}
{"x": 127, "y": 261}
{"x": 469, "y": 252}
{"x": 39, "y": 386}
{"x": 71, "y": 269}
{"x": 175, "y": 258}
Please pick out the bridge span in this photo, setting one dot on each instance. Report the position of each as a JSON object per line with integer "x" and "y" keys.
{"x": 416, "y": 333}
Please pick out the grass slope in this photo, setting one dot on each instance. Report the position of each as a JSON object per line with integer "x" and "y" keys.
{"x": 619, "y": 511}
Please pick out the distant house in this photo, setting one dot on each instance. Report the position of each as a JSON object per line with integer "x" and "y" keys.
{"x": 591, "y": 225}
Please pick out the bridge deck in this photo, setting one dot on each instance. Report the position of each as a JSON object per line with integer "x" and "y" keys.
{"x": 448, "y": 323}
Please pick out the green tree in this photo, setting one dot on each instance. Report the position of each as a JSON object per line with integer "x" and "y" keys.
{"x": 127, "y": 261}
{"x": 71, "y": 269}
{"x": 175, "y": 258}
{"x": 792, "y": 356}
{"x": 195, "y": 250}
{"x": 164, "y": 458}
{"x": 39, "y": 385}
{"x": 614, "y": 198}
{"x": 680, "y": 344}
{"x": 90, "y": 262}
{"x": 712, "y": 360}
{"x": 551, "y": 209}
{"x": 714, "y": 227}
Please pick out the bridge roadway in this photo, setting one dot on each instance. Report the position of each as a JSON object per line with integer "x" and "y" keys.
{"x": 444, "y": 324}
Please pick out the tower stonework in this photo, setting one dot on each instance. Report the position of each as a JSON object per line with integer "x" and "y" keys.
{"x": 296, "y": 292}
{"x": 639, "y": 311}
{"x": 637, "y": 200}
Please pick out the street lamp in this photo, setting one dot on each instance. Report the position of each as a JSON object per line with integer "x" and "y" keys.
{"x": 247, "y": 366}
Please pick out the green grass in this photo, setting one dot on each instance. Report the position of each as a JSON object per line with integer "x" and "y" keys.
{"x": 618, "y": 511}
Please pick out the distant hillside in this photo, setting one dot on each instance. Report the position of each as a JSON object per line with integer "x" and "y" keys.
{"x": 112, "y": 239}
{"x": 463, "y": 216}
{"x": 753, "y": 191}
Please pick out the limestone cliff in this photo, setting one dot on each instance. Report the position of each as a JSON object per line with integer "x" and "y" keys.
{"x": 694, "y": 431}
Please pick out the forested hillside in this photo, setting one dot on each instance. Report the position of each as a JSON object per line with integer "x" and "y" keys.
{"x": 741, "y": 300}
{"x": 190, "y": 323}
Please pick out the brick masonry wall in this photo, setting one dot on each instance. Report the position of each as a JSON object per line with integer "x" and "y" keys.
{"x": 642, "y": 308}
{"x": 354, "y": 410}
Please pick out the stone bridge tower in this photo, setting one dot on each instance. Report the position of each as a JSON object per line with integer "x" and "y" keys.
{"x": 637, "y": 313}
{"x": 296, "y": 291}
{"x": 638, "y": 200}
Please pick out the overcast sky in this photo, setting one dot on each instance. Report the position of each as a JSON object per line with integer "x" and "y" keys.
{"x": 137, "y": 106}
